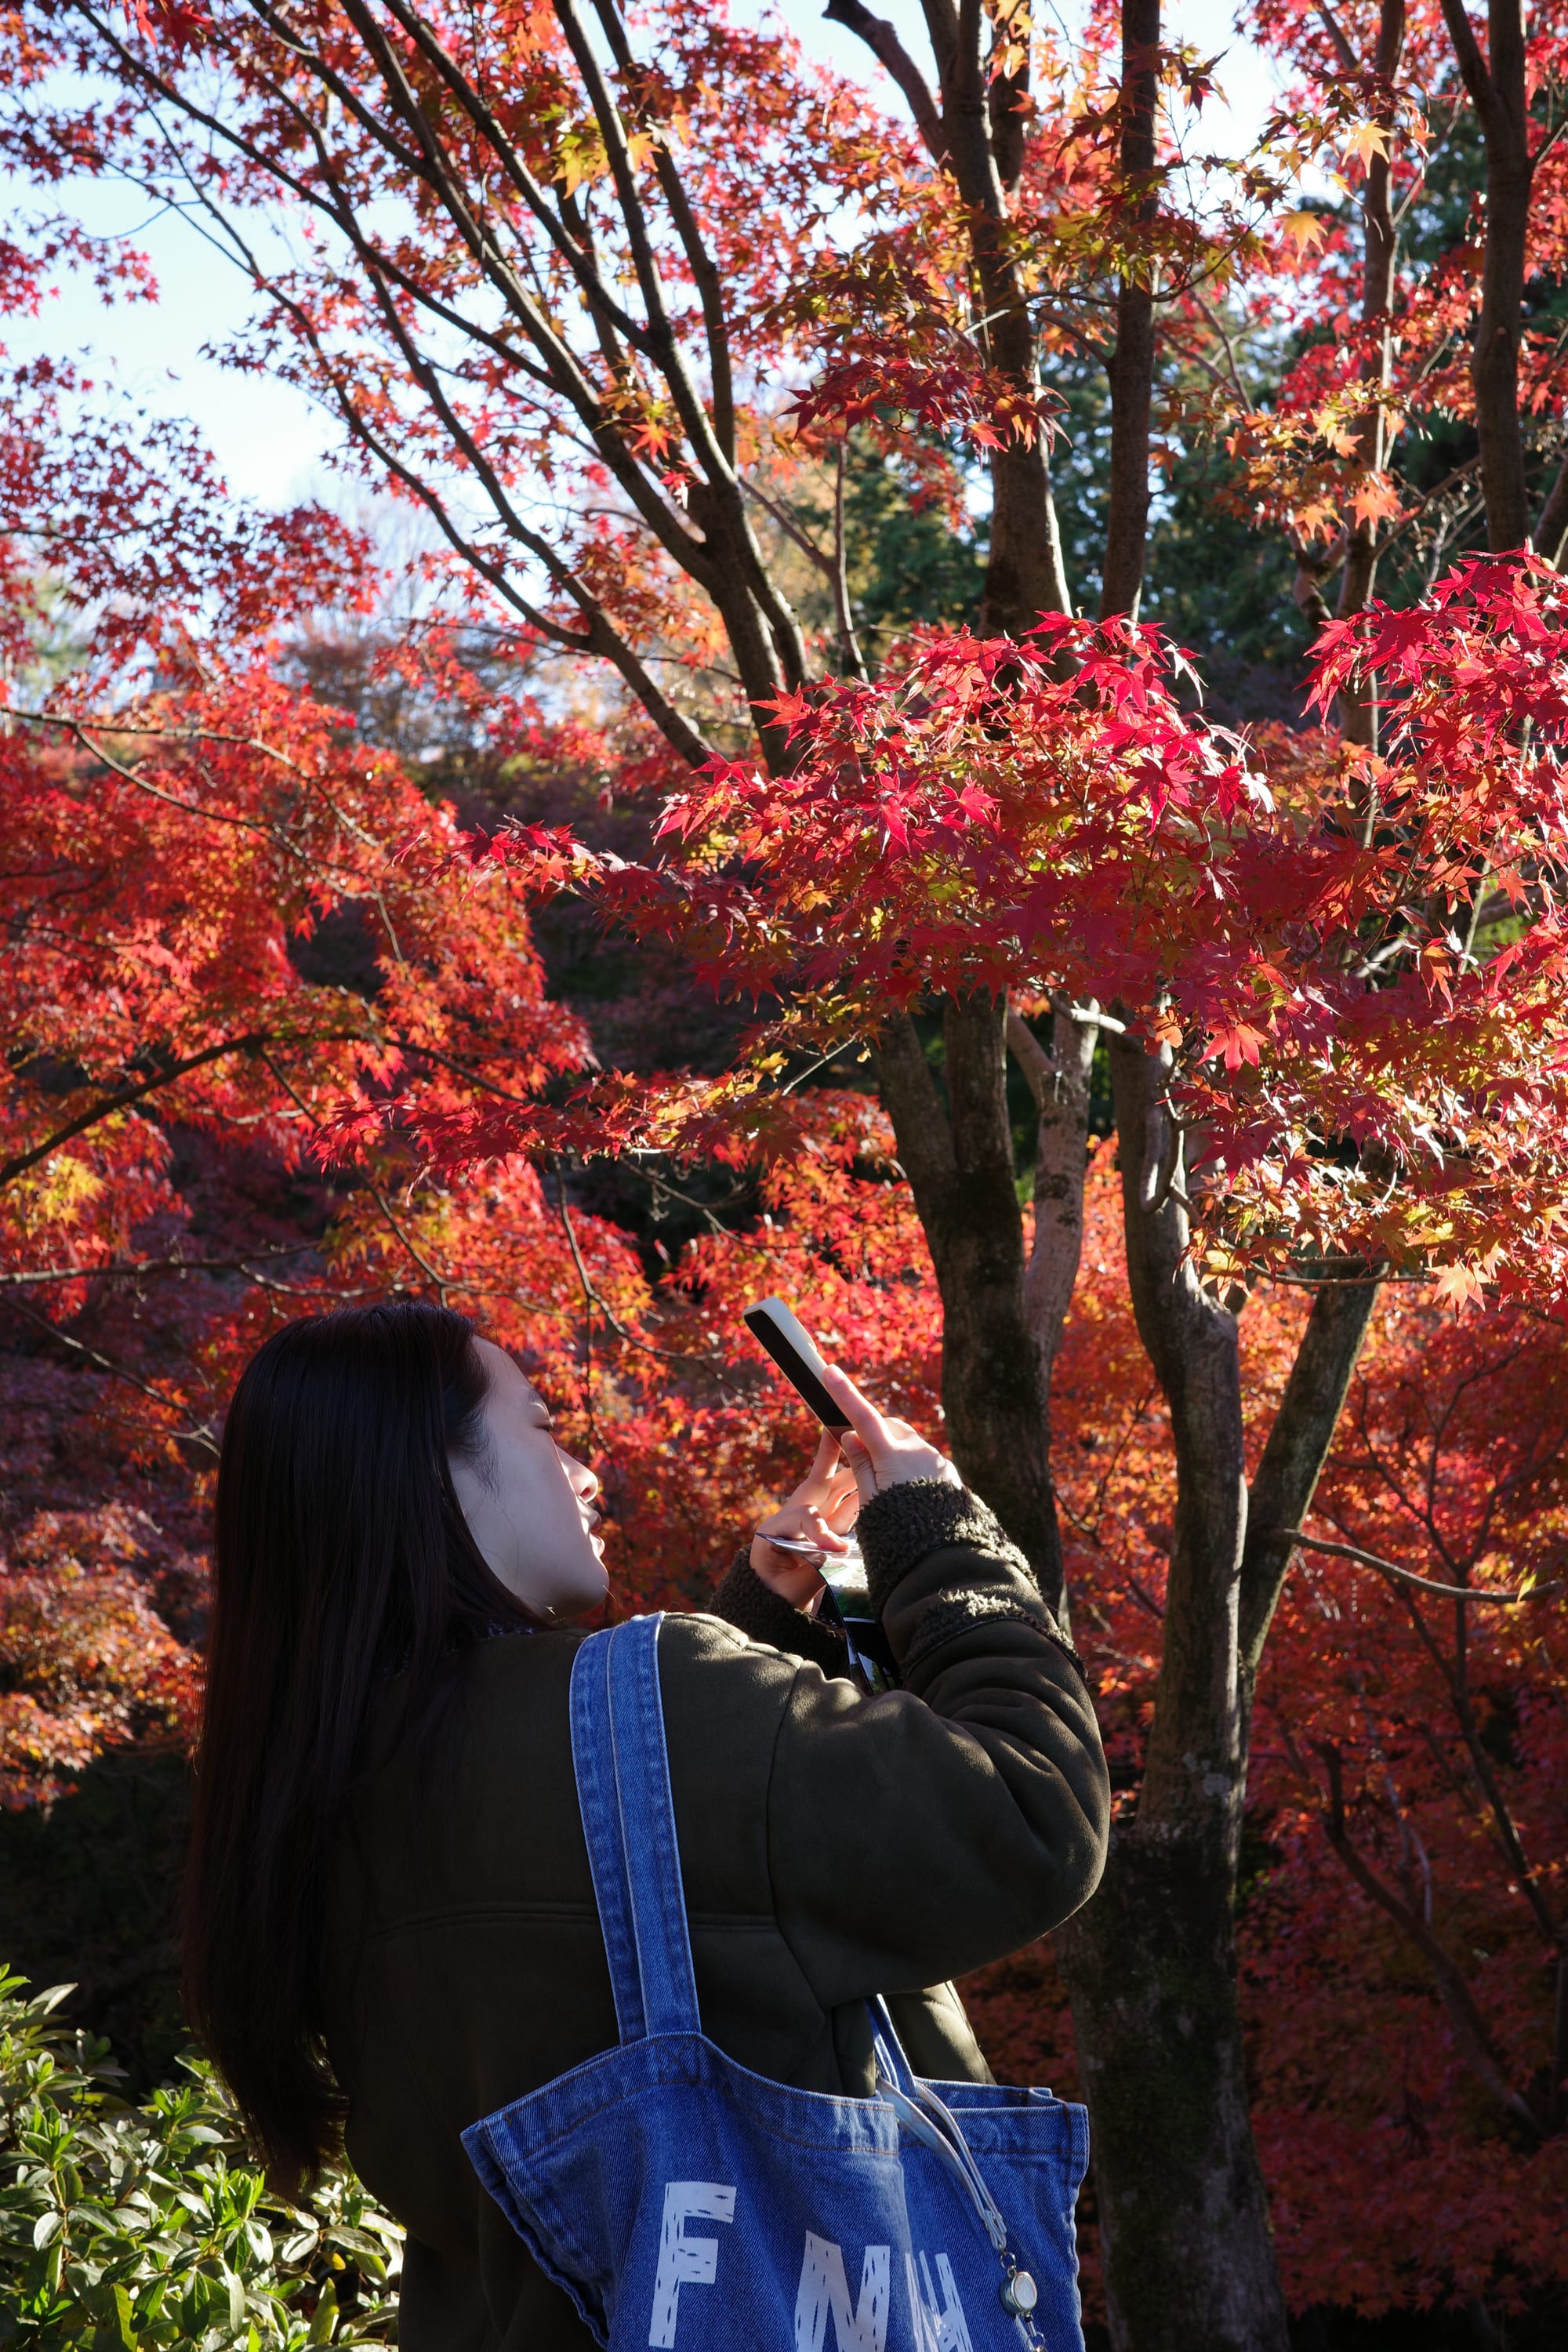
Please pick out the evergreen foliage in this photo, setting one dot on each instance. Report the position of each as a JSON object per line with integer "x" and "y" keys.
{"x": 127, "y": 2228}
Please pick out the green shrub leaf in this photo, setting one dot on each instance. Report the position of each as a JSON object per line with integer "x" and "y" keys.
{"x": 173, "y": 2240}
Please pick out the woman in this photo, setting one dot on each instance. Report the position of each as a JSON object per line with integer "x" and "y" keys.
{"x": 391, "y": 1922}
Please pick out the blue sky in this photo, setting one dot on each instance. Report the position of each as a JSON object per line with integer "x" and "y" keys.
{"x": 269, "y": 441}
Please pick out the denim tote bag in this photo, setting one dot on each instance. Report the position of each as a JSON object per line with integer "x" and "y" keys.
{"x": 686, "y": 2204}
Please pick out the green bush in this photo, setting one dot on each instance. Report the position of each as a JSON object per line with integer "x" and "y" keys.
{"x": 137, "y": 2227}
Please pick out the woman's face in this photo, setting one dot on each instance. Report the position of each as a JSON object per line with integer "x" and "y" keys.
{"x": 529, "y": 1504}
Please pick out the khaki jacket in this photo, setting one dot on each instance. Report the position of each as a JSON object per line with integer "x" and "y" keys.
{"x": 834, "y": 1845}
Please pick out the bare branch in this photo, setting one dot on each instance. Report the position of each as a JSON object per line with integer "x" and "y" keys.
{"x": 1467, "y": 52}
{"x": 35, "y": 1277}
{"x": 1408, "y": 1576}
{"x": 442, "y": 1282}
{"x": 1470, "y": 2028}
{"x": 592, "y": 1298}
{"x": 201, "y": 1435}
{"x": 588, "y": 278}
{"x": 849, "y": 656}
{"x": 882, "y": 38}
{"x": 704, "y": 270}
{"x": 1337, "y": 35}
{"x": 1031, "y": 1056}
{"x": 107, "y": 1105}
{"x": 1552, "y": 528}
{"x": 1293, "y": 1457}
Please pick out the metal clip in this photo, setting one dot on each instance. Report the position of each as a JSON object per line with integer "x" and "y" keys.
{"x": 1020, "y": 2296}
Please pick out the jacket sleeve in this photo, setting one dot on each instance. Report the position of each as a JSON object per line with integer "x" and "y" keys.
{"x": 915, "y": 1836}
{"x": 754, "y": 1608}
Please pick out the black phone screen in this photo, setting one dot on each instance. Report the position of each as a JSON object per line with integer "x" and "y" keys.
{"x": 793, "y": 1351}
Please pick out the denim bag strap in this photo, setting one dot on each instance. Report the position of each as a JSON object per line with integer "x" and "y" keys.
{"x": 622, "y": 1763}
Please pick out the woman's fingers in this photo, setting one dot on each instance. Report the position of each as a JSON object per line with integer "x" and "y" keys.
{"x": 857, "y": 1456}
{"x": 816, "y": 1487}
{"x": 864, "y": 1419}
{"x": 843, "y": 1501}
{"x": 883, "y": 1452}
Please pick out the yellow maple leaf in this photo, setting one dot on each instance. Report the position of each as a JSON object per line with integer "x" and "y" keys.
{"x": 1459, "y": 1283}
{"x": 1367, "y": 140}
{"x": 581, "y": 156}
{"x": 1305, "y": 230}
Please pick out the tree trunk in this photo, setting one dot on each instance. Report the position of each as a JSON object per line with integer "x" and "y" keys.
{"x": 1024, "y": 575}
{"x": 1130, "y": 368}
{"x": 1059, "y": 1083}
{"x": 1496, "y": 362}
{"x": 1151, "y": 1968}
{"x": 961, "y": 1173}
{"x": 1358, "y": 706}
{"x": 1150, "y": 1964}
{"x": 1496, "y": 84}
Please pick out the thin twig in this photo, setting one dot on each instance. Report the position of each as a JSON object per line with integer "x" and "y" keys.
{"x": 1408, "y": 1575}
{"x": 488, "y": 1086}
{"x": 442, "y": 1282}
{"x": 820, "y": 1064}
{"x": 107, "y": 1105}
{"x": 122, "y": 1272}
{"x": 670, "y": 1355}
{"x": 1218, "y": 327}
{"x": 201, "y": 1435}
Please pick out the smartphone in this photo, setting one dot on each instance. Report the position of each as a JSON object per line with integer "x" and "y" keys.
{"x": 793, "y": 1351}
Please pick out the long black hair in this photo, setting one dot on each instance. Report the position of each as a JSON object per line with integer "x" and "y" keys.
{"x": 341, "y": 1555}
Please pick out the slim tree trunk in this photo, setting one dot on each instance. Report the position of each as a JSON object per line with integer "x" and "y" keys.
{"x": 1497, "y": 88}
{"x": 961, "y": 1171}
{"x": 1149, "y": 1963}
{"x": 1024, "y": 572}
{"x": 1358, "y": 710}
{"x": 1552, "y": 525}
{"x": 1496, "y": 362}
{"x": 973, "y": 127}
{"x": 1131, "y": 367}
{"x": 1059, "y": 1083}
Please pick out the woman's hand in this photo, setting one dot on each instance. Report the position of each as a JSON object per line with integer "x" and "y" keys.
{"x": 873, "y": 1453}
{"x": 880, "y": 1452}
{"x": 821, "y": 1506}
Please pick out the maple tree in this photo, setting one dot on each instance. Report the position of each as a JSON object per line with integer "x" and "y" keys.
{"x": 1334, "y": 1052}
{"x": 622, "y": 358}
